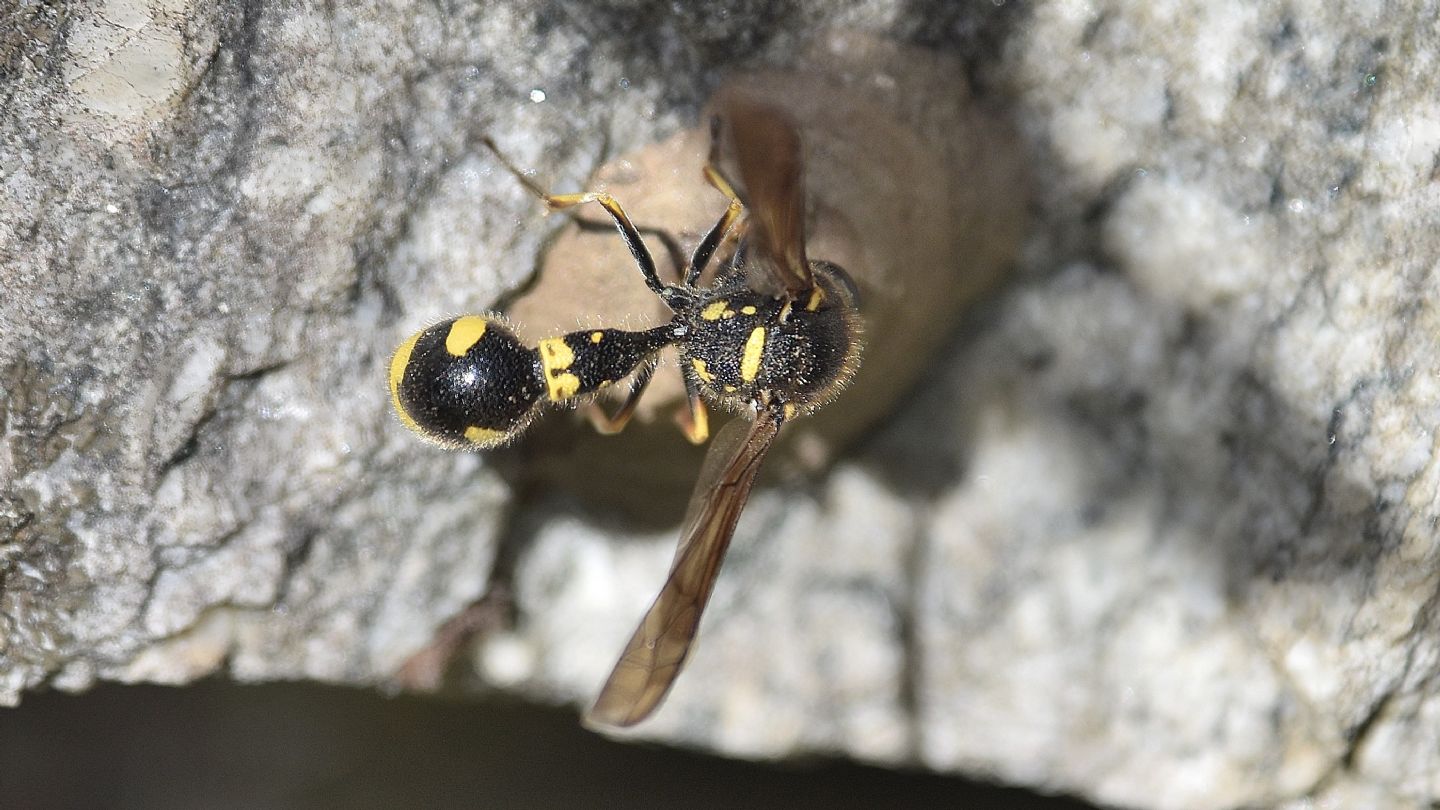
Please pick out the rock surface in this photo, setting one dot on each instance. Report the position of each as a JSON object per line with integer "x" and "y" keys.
{"x": 1158, "y": 528}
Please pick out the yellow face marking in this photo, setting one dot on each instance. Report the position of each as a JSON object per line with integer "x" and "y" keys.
{"x": 816, "y": 296}
{"x": 398, "y": 362}
{"x": 789, "y": 411}
{"x": 484, "y": 437}
{"x": 702, "y": 371}
{"x": 750, "y": 360}
{"x": 555, "y": 358}
{"x": 464, "y": 333}
{"x": 714, "y": 310}
{"x": 596, "y": 337}
{"x": 748, "y": 309}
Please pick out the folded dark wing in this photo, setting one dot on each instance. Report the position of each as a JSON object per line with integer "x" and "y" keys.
{"x": 656, "y": 652}
{"x": 757, "y": 147}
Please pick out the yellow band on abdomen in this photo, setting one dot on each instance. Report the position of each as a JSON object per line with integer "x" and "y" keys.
{"x": 398, "y": 363}
{"x": 556, "y": 358}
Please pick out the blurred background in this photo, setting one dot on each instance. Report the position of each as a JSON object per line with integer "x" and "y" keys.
{"x": 219, "y": 745}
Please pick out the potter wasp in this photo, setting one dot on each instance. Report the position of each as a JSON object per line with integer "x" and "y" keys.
{"x": 774, "y": 336}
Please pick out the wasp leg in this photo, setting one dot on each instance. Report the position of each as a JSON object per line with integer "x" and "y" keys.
{"x": 559, "y": 202}
{"x": 715, "y": 178}
{"x": 667, "y": 240}
{"x": 426, "y": 668}
{"x": 703, "y": 251}
{"x": 628, "y": 232}
{"x": 692, "y": 417}
{"x": 610, "y": 424}
{"x": 712, "y": 172}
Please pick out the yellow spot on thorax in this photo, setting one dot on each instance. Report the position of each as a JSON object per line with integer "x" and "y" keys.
{"x": 714, "y": 310}
{"x": 596, "y": 337}
{"x": 748, "y": 309}
{"x": 464, "y": 333}
{"x": 398, "y": 363}
{"x": 555, "y": 358}
{"x": 754, "y": 348}
{"x": 702, "y": 371}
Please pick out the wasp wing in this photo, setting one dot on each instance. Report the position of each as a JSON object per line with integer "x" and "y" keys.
{"x": 656, "y": 652}
{"x": 757, "y": 147}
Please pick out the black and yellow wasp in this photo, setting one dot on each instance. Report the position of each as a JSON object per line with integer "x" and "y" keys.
{"x": 775, "y": 336}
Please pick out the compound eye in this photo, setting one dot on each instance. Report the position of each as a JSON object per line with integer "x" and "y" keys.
{"x": 465, "y": 383}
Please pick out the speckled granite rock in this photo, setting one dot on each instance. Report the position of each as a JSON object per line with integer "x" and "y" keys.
{"x": 1158, "y": 529}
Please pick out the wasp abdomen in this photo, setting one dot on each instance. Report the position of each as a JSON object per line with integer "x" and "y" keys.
{"x": 467, "y": 382}
{"x": 583, "y": 362}
{"x": 470, "y": 382}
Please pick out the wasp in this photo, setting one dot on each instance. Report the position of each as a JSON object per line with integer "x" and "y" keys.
{"x": 774, "y": 336}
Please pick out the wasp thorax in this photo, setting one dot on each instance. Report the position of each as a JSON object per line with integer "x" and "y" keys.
{"x": 747, "y": 346}
{"x": 467, "y": 382}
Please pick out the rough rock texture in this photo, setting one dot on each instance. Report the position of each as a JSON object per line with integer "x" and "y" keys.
{"x": 1158, "y": 528}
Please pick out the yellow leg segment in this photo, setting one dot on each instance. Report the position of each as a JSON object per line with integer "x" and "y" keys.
{"x": 609, "y": 424}
{"x": 694, "y": 420}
